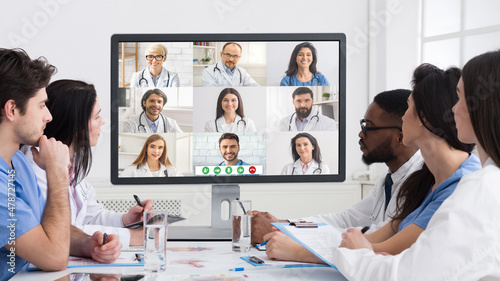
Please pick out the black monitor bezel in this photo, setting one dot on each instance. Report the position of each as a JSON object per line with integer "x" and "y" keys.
{"x": 240, "y": 37}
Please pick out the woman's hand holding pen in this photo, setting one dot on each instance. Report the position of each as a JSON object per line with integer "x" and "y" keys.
{"x": 107, "y": 252}
{"x": 353, "y": 238}
{"x": 135, "y": 213}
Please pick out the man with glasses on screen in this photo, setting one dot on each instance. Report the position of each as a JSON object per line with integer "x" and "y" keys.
{"x": 226, "y": 73}
{"x": 381, "y": 141}
{"x": 305, "y": 117}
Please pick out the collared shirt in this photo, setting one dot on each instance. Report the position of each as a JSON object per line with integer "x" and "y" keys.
{"x": 305, "y": 166}
{"x": 155, "y": 81}
{"x": 153, "y": 126}
{"x": 229, "y": 71}
{"x": 302, "y": 124}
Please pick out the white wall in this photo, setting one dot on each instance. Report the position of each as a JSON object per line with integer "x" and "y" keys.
{"x": 75, "y": 36}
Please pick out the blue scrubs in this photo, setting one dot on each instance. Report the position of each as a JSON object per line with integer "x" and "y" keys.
{"x": 434, "y": 199}
{"x": 27, "y": 208}
{"x": 317, "y": 80}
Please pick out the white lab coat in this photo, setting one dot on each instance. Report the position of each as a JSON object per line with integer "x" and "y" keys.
{"x": 215, "y": 75}
{"x": 92, "y": 216}
{"x": 143, "y": 171}
{"x": 236, "y": 127}
{"x": 163, "y": 82}
{"x": 461, "y": 241}
{"x": 370, "y": 211}
{"x": 318, "y": 122}
{"x": 134, "y": 125}
{"x": 314, "y": 168}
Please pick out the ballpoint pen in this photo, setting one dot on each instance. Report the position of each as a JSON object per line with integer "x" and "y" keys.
{"x": 138, "y": 200}
{"x": 104, "y": 238}
{"x": 365, "y": 229}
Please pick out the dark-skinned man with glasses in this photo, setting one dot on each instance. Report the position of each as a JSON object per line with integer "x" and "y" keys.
{"x": 380, "y": 141}
{"x": 225, "y": 72}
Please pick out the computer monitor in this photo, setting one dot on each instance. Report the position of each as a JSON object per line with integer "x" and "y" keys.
{"x": 228, "y": 108}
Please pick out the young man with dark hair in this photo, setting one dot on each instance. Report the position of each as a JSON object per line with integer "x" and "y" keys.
{"x": 229, "y": 147}
{"x": 35, "y": 230}
{"x": 381, "y": 140}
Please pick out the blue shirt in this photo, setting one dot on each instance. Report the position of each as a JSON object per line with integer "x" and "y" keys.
{"x": 317, "y": 80}
{"x": 153, "y": 126}
{"x": 239, "y": 163}
{"x": 302, "y": 124}
{"x": 27, "y": 208}
{"x": 155, "y": 81}
{"x": 229, "y": 71}
{"x": 435, "y": 198}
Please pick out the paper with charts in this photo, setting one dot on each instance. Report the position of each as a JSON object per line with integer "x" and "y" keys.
{"x": 321, "y": 241}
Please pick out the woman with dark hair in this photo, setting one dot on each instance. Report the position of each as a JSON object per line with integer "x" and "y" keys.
{"x": 77, "y": 123}
{"x": 461, "y": 241}
{"x": 306, "y": 156}
{"x": 302, "y": 68}
{"x": 229, "y": 117}
{"x": 429, "y": 126}
{"x": 152, "y": 160}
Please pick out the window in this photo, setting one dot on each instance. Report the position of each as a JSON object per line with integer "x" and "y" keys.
{"x": 454, "y": 31}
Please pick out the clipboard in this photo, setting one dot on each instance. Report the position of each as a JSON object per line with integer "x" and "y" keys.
{"x": 170, "y": 219}
{"x": 321, "y": 241}
{"x": 285, "y": 264}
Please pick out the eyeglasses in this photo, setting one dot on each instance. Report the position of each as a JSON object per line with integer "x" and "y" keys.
{"x": 228, "y": 55}
{"x": 157, "y": 58}
{"x": 365, "y": 129}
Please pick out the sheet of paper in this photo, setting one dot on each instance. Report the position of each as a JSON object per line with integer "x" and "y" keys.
{"x": 125, "y": 259}
{"x": 321, "y": 241}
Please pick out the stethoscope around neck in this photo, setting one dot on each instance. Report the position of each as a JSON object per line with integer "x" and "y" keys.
{"x": 147, "y": 83}
{"x": 242, "y": 119}
{"x": 291, "y": 119}
{"x": 144, "y": 127}
{"x": 316, "y": 171}
{"x": 216, "y": 67}
{"x": 312, "y": 80}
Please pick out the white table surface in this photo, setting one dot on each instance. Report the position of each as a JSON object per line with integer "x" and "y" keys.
{"x": 214, "y": 260}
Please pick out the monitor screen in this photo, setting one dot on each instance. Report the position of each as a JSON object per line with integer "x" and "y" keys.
{"x": 227, "y": 108}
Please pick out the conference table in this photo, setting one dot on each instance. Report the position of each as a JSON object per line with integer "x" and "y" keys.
{"x": 191, "y": 261}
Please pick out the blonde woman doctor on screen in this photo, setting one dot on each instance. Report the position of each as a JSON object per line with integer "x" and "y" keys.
{"x": 230, "y": 117}
{"x": 307, "y": 157}
{"x": 152, "y": 160}
{"x": 155, "y": 75}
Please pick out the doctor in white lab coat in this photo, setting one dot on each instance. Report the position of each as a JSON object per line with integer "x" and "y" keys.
{"x": 155, "y": 75}
{"x": 305, "y": 117}
{"x": 151, "y": 120}
{"x": 225, "y": 72}
{"x": 152, "y": 161}
{"x": 230, "y": 117}
{"x": 461, "y": 240}
{"x": 307, "y": 156}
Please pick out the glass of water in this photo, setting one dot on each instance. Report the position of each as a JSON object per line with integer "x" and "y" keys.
{"x": 241, "y": 214}
{"x": 155, "y": 241}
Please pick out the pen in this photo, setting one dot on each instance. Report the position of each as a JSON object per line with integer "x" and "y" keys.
{"x": 256, "y": 267}
{"x": 104, "y": 238}
{"x": 365, "y": 229}
{"x": 138, "y": 200}
{"x": 263, "y": 244}
{"x": 241, "y": 205}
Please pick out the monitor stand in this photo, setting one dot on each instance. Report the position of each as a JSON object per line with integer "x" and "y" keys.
{"x": 220, "y": 229}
